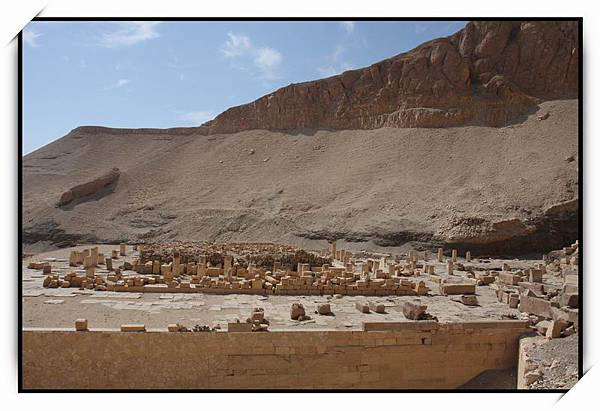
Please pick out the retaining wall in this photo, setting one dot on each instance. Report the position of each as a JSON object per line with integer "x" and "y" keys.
{"x": 408, "y": 355}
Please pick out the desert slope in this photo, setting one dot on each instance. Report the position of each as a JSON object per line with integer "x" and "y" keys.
{"x": 491, "y": 189}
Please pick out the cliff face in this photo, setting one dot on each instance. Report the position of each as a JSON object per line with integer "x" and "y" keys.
{"x": 486, "y": 74}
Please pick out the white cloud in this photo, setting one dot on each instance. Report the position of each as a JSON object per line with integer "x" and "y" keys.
{"x": 268, "y": 61}
{"x": 236, "y": 46}
{"x": 122, "y": 82}
{"x": 130, "y": 33}
{"x": 348, "y": 26}
{"x": 197, "y": 117}
{"x": 335, "y": 64}
{"x": 243, "y": 53}
{"x": 30, "y": 36}
{"x": 119, "y": 83}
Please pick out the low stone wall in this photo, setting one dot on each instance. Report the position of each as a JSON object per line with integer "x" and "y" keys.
{"x": 409, "y": 355}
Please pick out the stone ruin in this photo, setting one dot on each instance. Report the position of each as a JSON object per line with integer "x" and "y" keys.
{"x": 551, "y": 309}
{"x": 344, "y": 276}
{"x": 262, "y": 255}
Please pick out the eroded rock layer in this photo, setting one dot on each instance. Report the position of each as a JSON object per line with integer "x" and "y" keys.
{"x": 486, "y": 74}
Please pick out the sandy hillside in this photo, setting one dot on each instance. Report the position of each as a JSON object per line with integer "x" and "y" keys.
{"x": 386, "y": 186}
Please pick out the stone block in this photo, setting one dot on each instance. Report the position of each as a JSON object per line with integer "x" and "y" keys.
{"x": 363, "y": 308}
{"x": 572, "y": 315}
{"x": 555, "y": 328}
{"x": 424, "y": 325}
{"x": 239, "y": 327}
{"x": 257, "y": 283}
{"x": 81, "y": 324}
{"x": 455, "y": 289}
{"x": 513, "y": 300}
{"x": 485, "y": 278}
{"x": 36, "y": 265}
{"x": 133, "y": 328}
{"x": 535, "y": 275}
{"x": 173, "y": 328}
{"x": 534, "y": 305}
{"x": 509, "y": 278}
{"x": 569, "y": 300}
{"x": 378, "y": 308}
{"x": 537, "y": 288}
{"x": 90, "y": 272}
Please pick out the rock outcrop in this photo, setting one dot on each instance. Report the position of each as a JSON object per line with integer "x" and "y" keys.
{"x": 89, "y": 188}
{"x": 486, "y": 74}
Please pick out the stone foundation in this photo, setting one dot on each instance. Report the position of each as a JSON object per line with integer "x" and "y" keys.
{"x": 409, "y": 355}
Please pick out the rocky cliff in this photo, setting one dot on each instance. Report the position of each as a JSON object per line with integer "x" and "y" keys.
{"x": 486, "y": 74}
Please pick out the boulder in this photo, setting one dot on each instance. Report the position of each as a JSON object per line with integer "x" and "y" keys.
{"x": 324, "y": 309}
{"x": 414, "y": 310}
{"x": 297, "y": 311}
{"x": 469, "y": 299}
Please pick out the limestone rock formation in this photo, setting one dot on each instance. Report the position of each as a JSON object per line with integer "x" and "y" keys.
{"x": 488, "y": 73}
{"x": 89, "y": 188}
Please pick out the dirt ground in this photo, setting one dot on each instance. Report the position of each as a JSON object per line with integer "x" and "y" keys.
{"x": 556, "y": 361}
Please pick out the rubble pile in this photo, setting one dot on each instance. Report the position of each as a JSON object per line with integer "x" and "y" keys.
{"x": 552, "y": 309}
{"x": 259, "y": 254}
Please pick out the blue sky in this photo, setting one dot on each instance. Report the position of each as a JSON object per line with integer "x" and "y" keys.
{"x": 169, "y": 74}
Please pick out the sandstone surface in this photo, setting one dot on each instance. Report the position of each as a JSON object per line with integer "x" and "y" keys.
{"x": 488, "y": 74}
